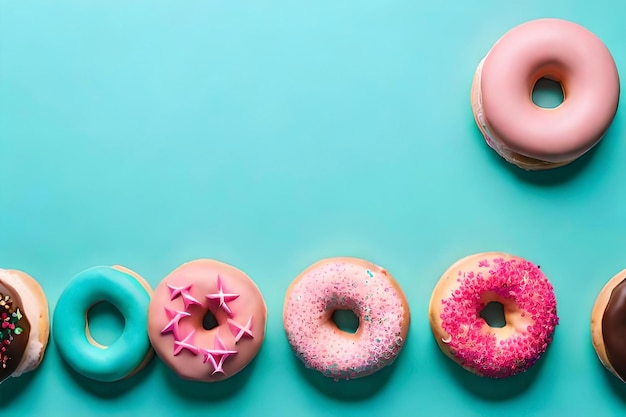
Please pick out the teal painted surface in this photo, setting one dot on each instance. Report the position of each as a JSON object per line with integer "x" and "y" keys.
{"x": 269, "y": 135}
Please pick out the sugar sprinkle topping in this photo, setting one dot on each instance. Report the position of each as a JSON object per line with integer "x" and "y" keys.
{"x": 343, "y": 285}
{"x": 471, "y": 342}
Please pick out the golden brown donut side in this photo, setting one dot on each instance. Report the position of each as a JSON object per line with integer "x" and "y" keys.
{"x": 444, "y": 287}
{"x": 597, "y": 313}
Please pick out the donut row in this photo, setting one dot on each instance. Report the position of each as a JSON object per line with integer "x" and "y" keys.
{"x": 171, "y": 320}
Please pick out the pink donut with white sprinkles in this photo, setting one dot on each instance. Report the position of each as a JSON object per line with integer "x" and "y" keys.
{"x": 529, "y": 305}
{"x": 346, "y": 284}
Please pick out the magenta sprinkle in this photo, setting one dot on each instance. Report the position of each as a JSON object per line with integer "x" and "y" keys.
{"x": 478, "y": 349}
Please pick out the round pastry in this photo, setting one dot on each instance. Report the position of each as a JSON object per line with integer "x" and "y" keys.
{"x": 525, "y": 134}
{"x": 200, "y": 349}
{"x": 608, "y": 327}
{"x": 529, "y": 305}
{"x": 126, "y": 291}
{"x": 346, "y": 284}
{"x": 24, "y": 323}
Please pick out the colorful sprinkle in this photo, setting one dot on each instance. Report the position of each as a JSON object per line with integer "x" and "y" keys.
{"x": 340, "y": 286}
{"x": 9, "y": 328}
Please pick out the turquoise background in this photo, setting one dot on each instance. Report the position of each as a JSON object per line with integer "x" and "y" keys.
{"x": 269, "y": 135}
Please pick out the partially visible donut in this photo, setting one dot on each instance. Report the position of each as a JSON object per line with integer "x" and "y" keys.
{"x": 529, "y": 305}
{"x": 608, "y": 325}
{"x": 177, "y": 310}
{"x": 24, "y": 323}
{"x": 374, "y": 297}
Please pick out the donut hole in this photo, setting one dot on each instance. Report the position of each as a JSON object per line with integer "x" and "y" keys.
{"x": 493, "y": 314}
{"x": 105, "y": 324}
{"x": 548, "y": 93}
{"x": 209, "y": 321}
{"x": 346, "y": 320}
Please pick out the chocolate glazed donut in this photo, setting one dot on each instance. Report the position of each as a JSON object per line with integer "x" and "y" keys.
{"x": 14, "y": 332}
{"x": 608, "y": 325}
{"x": 614, "y": 329}
{"x": 24, "y": 323}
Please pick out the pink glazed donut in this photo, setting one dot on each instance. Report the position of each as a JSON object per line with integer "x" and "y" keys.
{"x": 346, "y": 284}
{"x": 525, "y": 134}
{"x": 178, "y": 307}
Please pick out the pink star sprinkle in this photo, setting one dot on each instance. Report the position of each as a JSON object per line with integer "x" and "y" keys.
{"x": 240, "y": 331}
{"x": 174, "y": 317}
{"x": 186, "y": 343}
{"x": 184, "y": 293}
{"x": 222, "y": 297}
{"x": 217, "y": 355}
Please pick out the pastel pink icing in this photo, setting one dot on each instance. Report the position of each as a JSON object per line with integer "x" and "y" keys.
{"x": 346, "y": 283}
{"x": 559, "y": 50}
{"x": 178, "y": 307}
{"x": 530, "y": 313}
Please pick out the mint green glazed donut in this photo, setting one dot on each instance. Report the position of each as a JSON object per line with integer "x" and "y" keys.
{"x": 127, "y": 292}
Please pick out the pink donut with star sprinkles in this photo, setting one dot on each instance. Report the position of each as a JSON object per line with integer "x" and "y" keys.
{"x": 374, "y": 297}
{"x": 529, "y": 306}
{"x": 194, "y": 347}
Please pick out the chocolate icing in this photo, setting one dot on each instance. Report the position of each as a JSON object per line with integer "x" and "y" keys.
{"x": 13, "y": 337}
{"x": 614, "y": 329}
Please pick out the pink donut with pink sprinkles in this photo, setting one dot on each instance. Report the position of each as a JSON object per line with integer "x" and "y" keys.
{"x": 346, "y": 284}
{"x": 529, "y": 305}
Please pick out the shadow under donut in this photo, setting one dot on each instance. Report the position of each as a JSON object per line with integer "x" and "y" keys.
{"x": 554, "y": 176}
{"x": 198, "y": 391}
{"x": 107, "y": 390}
{"x": 490, "y": 389}
{"x": 14, "y": 388}
{"x": 615, "y": 384}
{"x": 352, "y": 390}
